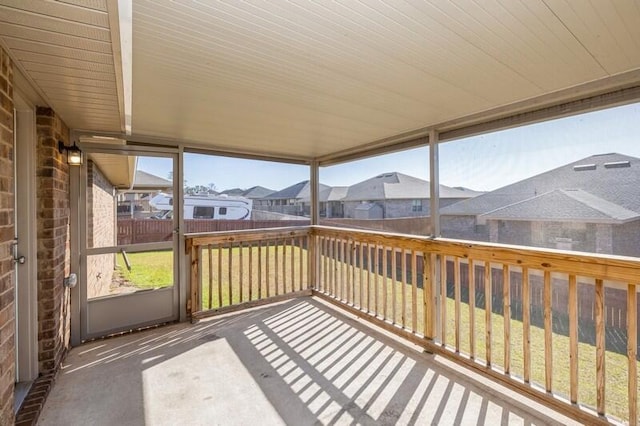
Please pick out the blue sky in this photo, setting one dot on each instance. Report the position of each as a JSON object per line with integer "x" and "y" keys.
{"x": 483, "y": 162}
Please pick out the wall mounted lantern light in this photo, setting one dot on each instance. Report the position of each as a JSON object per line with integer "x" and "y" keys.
{"x": 74, "y": 154}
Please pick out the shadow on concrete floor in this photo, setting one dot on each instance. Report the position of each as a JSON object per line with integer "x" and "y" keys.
{"x": 300, "y": 363}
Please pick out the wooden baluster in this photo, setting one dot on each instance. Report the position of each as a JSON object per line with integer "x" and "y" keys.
{"x": 259, "y": 270}
{"x": 429, "y": 278}
{"x": 361, "y": 282}
{"x": 293, "y": 265}
{"x": 548, "y": 324}
{"x": 219, "y": 248}
{"x": 506, "y": 309}
{"x": 385, "y": 282}
{"x": 250, "y": 272}
{"x": 347, "y": 264}
{"x": 632, "y": 345}
{"x": 600, "y": 347}
{"x": 267, "y": 249}
{"x": 472, "y": 310}
{"x": 403, "y": 262}
{"x": 210, "y": 249}
{"x": 394, "y": 287}
{"x": 443, "y": 299}
{"x": 240, "y": 272}
{"x": 377, "y": 277}
{"x": 488, "y": 310}
{"x": 284, "y": 266}
{"x": 456, "y": 295}
{"x": 526, "y": 324}
{"x": 573, "y": 338}
{"x": 196, "y": 280}
{"x": 414, "y": 291}
{"x": 230, "y": 266}
{"x": 276, "y": 266}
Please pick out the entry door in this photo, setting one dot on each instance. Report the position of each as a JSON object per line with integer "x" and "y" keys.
{"x": 129, "y": 256}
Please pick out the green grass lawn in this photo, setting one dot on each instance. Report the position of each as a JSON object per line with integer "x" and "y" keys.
{"x": 148, "y": 269}
{"x": 153, "y": 270}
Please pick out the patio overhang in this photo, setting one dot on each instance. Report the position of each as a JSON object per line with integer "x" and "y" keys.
{"x": 326, "y": 82}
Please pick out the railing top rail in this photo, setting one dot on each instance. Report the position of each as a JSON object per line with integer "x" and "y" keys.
{"x": 603, "y": 266}
{"x": 245, "y": 235}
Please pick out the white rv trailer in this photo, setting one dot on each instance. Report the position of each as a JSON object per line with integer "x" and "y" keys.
{"x": 205, "y": 207}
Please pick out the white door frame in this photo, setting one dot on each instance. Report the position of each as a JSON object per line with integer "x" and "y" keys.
{"x": 25, "y": 230}
{"x": 105, "y": 315}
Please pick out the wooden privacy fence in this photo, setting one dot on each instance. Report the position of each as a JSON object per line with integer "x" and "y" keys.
{"x": 471, "y": 302}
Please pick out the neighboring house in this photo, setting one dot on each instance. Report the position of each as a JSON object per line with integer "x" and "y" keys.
{"x": 293, "y": 200}
{"x": 386, "y": 196}
{"x": 397, "y": 195}
{"x": 331, "y": 201}
{"x": 255, "y": 193}
{"x": 589, "y": 205}
{"x": 134, "y": 202}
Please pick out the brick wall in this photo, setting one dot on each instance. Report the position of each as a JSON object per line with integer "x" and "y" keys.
{"x": 52, "y": 176}
{"x": 101, "y": 231}
{"x": 7, "y": 293}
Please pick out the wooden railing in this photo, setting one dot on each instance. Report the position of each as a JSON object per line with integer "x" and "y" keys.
{"x": 559, "y": 326}
{"x": 231, "y": 270}
{"x": 535, "y": 319}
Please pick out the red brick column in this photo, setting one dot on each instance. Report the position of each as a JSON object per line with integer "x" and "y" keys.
{"x": 7, "y": 291}
{"x": 53, "y": 240}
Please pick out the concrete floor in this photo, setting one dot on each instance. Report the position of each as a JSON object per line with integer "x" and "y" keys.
{"x": 300, "y": 363}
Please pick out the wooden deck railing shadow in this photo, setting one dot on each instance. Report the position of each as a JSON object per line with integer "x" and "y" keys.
{"x": 543, "y": 330}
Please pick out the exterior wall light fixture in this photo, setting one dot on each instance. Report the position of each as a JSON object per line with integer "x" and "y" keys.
{"x": 74, "y": 154}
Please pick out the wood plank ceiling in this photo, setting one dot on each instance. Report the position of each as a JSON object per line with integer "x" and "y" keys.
{"x": 303, "y": 79}
{"x": 64, "y": 48}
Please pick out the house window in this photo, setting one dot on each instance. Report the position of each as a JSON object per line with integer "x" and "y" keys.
{"x": 202, "y": 212}
{"x": 222, "y": 211}
{"x": 416, "y": 206}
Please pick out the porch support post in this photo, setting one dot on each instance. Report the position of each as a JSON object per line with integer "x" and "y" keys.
{"x": 314, "y": 184}
{"x": 434, "y": 182}
{"x": 434, "y": 304}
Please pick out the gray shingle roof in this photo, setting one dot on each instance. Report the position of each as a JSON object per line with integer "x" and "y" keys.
{"x": 612, "y": 178}
{"x": 398, "y": 186}
{"x": 564, "y": 205}
{"x": 299, "y": 191}
{"x": 144, "y": 180}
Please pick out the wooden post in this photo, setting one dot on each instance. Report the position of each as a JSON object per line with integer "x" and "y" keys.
{"x": 219, "y": 248}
